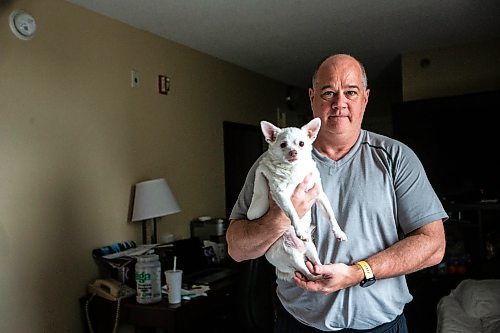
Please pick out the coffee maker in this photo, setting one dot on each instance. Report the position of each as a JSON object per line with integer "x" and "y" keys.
{"x": 210, "y": 229}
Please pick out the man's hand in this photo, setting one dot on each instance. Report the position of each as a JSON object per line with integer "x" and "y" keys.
{"x": 333, "y": 277}
{"x": 304, "y": 196}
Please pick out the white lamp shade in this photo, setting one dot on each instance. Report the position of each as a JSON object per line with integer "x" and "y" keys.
{"x": 153, "y": 198}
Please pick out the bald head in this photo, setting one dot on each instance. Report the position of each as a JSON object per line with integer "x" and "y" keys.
{"x": 337, "y": 58}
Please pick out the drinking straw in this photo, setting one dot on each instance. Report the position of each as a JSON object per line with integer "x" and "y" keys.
{"x": 175, "y": 262}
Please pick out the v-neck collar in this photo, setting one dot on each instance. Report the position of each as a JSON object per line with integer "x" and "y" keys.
{"x": 336, "y": 164}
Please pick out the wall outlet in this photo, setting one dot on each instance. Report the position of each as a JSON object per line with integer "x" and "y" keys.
{"x": 134, "y": 78}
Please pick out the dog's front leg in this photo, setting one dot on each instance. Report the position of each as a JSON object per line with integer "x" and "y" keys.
{"x": 325, "y": 205}
{"x": 285, "y": 203}
{"x": 311, "y": 252}
{"x": 260, "y": 198}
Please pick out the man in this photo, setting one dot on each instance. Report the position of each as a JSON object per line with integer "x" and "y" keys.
{"x": 382, "y": 200}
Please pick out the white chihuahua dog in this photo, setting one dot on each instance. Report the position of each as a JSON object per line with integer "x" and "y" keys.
{"x": 283, "y": 166}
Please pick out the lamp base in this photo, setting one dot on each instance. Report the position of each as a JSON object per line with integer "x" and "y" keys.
{"x": 149, "y": 237}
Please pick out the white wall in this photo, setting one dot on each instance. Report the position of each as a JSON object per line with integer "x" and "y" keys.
{"x": 75, "y": 137}
{"x": 452, "y": 71}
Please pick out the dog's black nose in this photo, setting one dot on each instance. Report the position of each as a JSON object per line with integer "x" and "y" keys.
{"x": 293, "y": 153}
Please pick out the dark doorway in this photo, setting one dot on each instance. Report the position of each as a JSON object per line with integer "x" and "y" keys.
{"x": 243, "y": 144}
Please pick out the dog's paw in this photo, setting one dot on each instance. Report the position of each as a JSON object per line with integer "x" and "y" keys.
{"x": 312, "y": 277}
{"x": 305, "y": 237}
{"x": 340, "y": 235}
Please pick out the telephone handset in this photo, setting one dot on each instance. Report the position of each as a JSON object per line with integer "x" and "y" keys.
{"x": 110, "y": 289}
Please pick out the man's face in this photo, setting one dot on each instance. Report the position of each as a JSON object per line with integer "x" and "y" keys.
{"x": 338, "y": 96}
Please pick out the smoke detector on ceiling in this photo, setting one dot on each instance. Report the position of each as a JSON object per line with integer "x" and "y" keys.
{"x": 22, "y": 24}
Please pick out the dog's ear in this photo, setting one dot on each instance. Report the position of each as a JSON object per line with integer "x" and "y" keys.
{"x": 312, "y": 128}
{"x": 270, "y": 131}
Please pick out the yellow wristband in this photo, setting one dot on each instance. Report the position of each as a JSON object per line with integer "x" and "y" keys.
{"x": 367, "y": 270}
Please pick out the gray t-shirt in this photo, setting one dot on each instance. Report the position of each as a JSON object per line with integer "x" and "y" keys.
{"x": 379, "y": 191}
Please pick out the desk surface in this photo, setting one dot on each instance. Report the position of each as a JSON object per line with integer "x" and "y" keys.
{"x": 213, "y": 313}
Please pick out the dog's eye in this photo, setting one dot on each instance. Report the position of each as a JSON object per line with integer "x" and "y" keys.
{"x": 283, "y": 145}
{"x": 301, "y": 143}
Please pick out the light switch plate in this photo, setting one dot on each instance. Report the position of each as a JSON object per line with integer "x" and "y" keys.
{"x": 134, "y": 78}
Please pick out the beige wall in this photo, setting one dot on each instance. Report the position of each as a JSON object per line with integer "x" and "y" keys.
{"x": 452, "y": 71}
{"x": 75, "y": 137}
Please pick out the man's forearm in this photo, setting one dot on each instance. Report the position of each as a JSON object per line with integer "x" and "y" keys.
{"x": 251, "y": 239}
{"x": 420, "y": 249}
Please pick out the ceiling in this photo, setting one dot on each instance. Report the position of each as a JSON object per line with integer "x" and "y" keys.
{"x": 284, "y": 39}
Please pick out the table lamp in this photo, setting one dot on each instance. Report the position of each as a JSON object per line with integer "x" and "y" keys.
{"x": 153, "y": 199}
